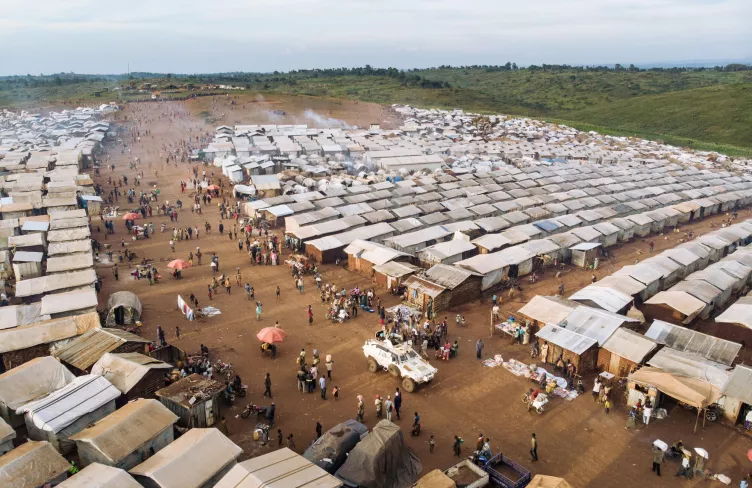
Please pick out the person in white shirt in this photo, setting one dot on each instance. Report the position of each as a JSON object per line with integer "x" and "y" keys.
{"x": 646, "y": 411}
{"x": 596, "y": 389}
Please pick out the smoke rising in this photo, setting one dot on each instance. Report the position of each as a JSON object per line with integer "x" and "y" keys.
{"x": 323, "y": 121}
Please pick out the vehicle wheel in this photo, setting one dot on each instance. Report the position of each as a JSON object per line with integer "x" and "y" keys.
{"x": 711, "y": 415}
{"x": 372, "y": 365}
{"x": 408, "y": 385}
{"x": 394, "y": 371}
{"x": 525, "y": 399}
{"x": 242, "y": 393}
{"x": 245, "y": 414}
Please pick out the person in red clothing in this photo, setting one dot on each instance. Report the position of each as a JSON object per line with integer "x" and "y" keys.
{"x": 310, "y": 315}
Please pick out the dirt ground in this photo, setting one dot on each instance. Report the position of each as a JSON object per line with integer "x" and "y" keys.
{"x": 255, "y": 108}
{"x": 577, "y": 440}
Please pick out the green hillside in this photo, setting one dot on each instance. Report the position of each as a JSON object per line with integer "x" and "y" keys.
{"x": 705, "y": 108}
{"x": 721, "y": 114}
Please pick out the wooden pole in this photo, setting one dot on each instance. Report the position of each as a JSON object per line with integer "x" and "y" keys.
{"x": 697, "y": 420}
{"x": 491, "y": 330}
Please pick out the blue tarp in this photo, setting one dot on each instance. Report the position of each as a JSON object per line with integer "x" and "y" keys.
{"x": 546, "y": 225}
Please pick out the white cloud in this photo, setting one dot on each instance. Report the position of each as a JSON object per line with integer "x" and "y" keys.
{"x": 189, "y": 36}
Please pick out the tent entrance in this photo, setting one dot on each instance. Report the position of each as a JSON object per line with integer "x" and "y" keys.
{"x": 119, "y": 313}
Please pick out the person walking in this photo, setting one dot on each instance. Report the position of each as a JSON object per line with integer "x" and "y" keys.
{"x": 223, "y": 427}
{"x": 534, "y": 448}
{"x": 397, "y": 403}
{"x": 270, "y": 415}
{"x": 389, "y": 405}
{"x": 322, "y": 385}
{"x": 310, "y": 315}
{"x": 268, "y": 385}
{"x": 657, "y": 459}
{"x": 290, "y": 443}
{"x": 457, "y": 446}
{"x": 318, "y": 429}
{"x": 278, "y": 292}
{"x": 646, "y": 412}
{"x": 631, "y": 418}
{"x": 258, "y": 310}
{"x": 329, "y": 364}
{"x": 596, "y": 389}
{"x": 279, "y": 437}
{"x": 361, "y": 409}
{"x": 479, "y": 348}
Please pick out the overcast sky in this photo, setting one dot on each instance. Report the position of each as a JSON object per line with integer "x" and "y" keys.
{"x": 185, "y": 36}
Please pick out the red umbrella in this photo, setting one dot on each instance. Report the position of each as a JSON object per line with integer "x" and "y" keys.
{"x": 179, "y": 264}
{"x": 749, "y": 454}
{"x": 271, "y": 335}
{"x": 131, "y": 216}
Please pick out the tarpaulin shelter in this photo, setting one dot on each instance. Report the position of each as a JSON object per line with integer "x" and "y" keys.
{"x": 28, "y": 382}
{"x": 691, "y": 391}
{"x": 123, "y": 438}
{"x": 542, "y": 481}
{"x": 134, "y": 374}
{"x": 282, "y": 468}
{"x": 100, "y": 476}
{"x": 200, "y": 457}
{"x": 123, "y": 307}
{"x": 381, "y": 460}
{"x": 71, "y": 409}
{"x": 7, "y": 434}
{"x": 329, "y": 451}
{"x": 32, "y": 465}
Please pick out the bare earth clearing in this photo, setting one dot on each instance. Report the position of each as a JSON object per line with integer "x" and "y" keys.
{"x": 576, "y": 439}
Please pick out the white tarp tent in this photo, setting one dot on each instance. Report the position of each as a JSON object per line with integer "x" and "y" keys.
{"x": 198, "y": 456}
{"x": 279, "y": 469}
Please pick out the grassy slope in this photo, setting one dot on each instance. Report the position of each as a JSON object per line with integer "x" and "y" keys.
{"x": 721, "y": 114}
{"x": 710, "y": 110}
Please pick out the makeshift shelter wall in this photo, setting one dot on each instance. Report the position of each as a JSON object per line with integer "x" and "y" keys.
{"x": 585, "y": 362}
{"x": 615, "y": 364}
{"x": 89, "y": 454}
{"x": 60, "y": 440}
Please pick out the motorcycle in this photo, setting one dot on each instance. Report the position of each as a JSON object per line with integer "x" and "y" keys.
{"x": 538, "y": 404}
{"x": 242, "y": 391}
{"x": 712, "y": 412}
{"x": 251, "y": 408}
{"x": 229, "y": 397}
{"x": 480, "y": 458}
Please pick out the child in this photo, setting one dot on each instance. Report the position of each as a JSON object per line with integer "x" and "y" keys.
{"x": 431, "y": 444}
{"x": 607, "y": 404}
{"x": 279, "y": 437}
{"x": 335, "y": 392}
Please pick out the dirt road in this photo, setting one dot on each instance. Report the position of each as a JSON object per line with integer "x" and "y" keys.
{"x": 577, "y": 440}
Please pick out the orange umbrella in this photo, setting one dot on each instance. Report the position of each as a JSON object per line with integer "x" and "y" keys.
{"x": 212, "y": 187}
{"x": 131, "y": 216}
{"x": 179, "y": 264}
{"x": 271, "y": 335}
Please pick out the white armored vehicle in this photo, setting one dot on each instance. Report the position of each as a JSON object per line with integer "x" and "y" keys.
{"x": 400, "y": 360}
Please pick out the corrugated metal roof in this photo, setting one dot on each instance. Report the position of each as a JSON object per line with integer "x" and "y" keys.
{"x": 548, "y": 310}
{"x": 739, "y": 384}
{"x": 594, "y": 323}
{"x": 447, "y": 276}
{"x": 571, "y": 341}
{"x": 686, "y": 340}
{"x": 690, "y": 365}
{"x": 419, "y": 285}
{"x": 86, "y": 350}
